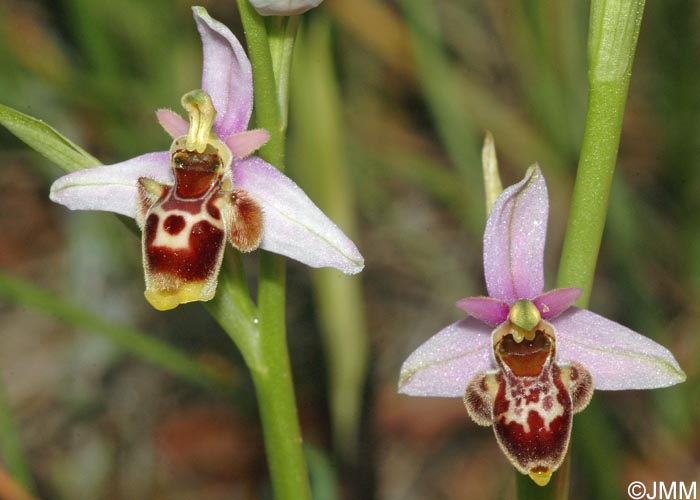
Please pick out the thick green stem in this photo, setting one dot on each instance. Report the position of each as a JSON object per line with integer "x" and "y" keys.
{"x": 275, "y": 389}
{"x": 614, "y": 29}
{"x": 612, "y": 40}
{"x": 234, "y": 310}
{"x": 267, "y": 110}
{"x": 282, "y": 36}
{"x": 592, "y": 189}
{"x": 273, "y": 376}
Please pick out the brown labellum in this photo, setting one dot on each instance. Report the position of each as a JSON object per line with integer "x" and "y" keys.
{"x": 185, "y": 227}
{"x": 530, "y": 400}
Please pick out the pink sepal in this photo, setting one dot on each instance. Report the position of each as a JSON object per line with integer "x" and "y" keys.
{"x": 618, "y": 358}
{"x": 447, "y": 361}
{"x": 514, "y": 240}
{"x": 293, "y": 225}
{"x": 226, "y": 75}
{"x": 112, "y": 188}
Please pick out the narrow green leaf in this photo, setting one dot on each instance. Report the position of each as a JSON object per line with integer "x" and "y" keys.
{"x": 273, "y": 382}
{"x": 46, "y": 140}
{"x": 324, "y": 479}
{"x": 444, "y": 97}
{"x": 129, "y": 339}
{"x": 318, "y": 163}
{"x": 11, "y": 447}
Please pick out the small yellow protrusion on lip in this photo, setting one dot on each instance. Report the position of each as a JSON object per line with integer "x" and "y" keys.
{"x": 202, "y": 114}
{"x": 188, "y": 292}
{"x": 524, "y": 315}
{"x": 518, "y": 334}
{"x": 541, "y": 478}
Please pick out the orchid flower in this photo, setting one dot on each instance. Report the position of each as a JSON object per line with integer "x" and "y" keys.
{"x": 283, "y": 7}
{"x": 207, "y": 188}
{"x": 525, "y": 361}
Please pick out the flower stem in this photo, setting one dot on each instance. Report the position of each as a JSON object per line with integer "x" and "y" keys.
{"x": 612, "y": 40}
{"x": 267, "y": 109}
{"x": 282, "y": 36}
{"x": 613, "y": 33}
{"x": 273, "y": 376}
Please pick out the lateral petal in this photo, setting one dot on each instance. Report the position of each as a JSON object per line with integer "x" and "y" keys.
{"x": 226, "y": 75}
{"x": 447, "y": 361}
{"x": 491, "y": 311}
{"x": 292, "y": 224}
{"x": 246, "y": 143}
{"x": 112, "y": 188}
{"x": 617, "y": 357}
{"x": 514, "y": 240}
{"x": 174, "y": 124}
{"x": 555, "y": 302}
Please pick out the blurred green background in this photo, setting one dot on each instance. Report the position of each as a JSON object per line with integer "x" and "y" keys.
{"x": 390, "y": 101}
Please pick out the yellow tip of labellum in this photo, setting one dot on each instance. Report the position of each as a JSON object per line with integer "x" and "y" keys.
{"x": 167, "y": 300}
{"x": 540, "y": 477}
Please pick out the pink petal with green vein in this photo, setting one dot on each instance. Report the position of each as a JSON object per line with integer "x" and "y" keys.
{"x": 226, "y": 75}
{"x": 111, "y": 188}
{"x": 447, "y": 361}
{"x": 617, "y": 357}
{"x": 514, "y": 240}
{"x": 292, "y": 224}
{"x": 283, "y": 7}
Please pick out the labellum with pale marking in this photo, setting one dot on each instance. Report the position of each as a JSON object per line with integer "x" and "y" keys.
{"x": 185, "y": 226}
{"x": 526, "y": 361}
{"x": 531, "y": 399}
{"x": 207, "y": 189}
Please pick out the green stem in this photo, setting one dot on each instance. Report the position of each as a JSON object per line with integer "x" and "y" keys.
{"x": 614, "y": 29}
{"x": 282, "y": 36}
{"x": 267, "y": 111}
{"x": 612, "y": 40}
{"x": 273, "y": 376}
{"x": 234, "y": 310}
{"x": 592, "y": 189}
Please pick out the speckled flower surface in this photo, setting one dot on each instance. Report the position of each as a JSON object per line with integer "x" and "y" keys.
{"x": 526, "y": 360}
{"x": 238, "y": 193}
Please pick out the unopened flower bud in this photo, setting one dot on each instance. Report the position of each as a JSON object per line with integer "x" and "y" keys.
{"x": 283, "y": 7}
